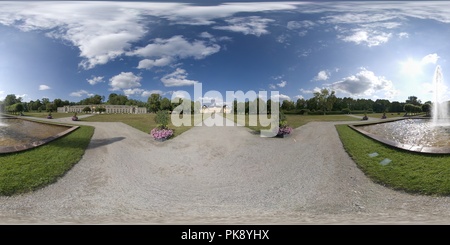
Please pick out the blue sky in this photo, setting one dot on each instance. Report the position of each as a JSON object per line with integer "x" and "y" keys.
{"x": 73, "y": 50}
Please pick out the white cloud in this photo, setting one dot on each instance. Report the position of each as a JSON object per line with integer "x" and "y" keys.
{"x": 292, "y": 25}
{"x": 80, "y": 93}
{"x": 99, "y": 37}
{"x": 322, "y": 76}
{"x": 147, "y": 93}
{"x": 365, "y": 83}
{"x": 2, "y": 95}
{"x": 370, "y": 38}
{"x": 282, "y": 84}
{"x": 44, "y": 87}
{"x": 302, "y": 33}
{"x": 403, "y": 35}
{"x": 299, "y": 97}
{"x": 165, "y": 51}
{"x": 305, "y": 91}
{"x": 148, "y": 64}
{"x": 252, "y": 25}
{"x": 95, "y": 80}
{"x": 132, "y": 91}
{"x": 430, "y": 59}
{"x": 180, "y": 94}
{"x": 125, "y": 80}
{"x": 280, "y": 97}
{"x": 271, "y": 86}
{"x": 177, "y": 78}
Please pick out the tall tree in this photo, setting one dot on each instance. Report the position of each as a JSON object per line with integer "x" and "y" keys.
{"x": 11, "y": 99}
{"x": 154, "y": 102}
{"x": 325, "y": 99}
{"x": 165, "y": 104}
{"x": 413, "y": 100}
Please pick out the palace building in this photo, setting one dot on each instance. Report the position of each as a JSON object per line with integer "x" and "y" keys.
{"x": 111, "y": 109}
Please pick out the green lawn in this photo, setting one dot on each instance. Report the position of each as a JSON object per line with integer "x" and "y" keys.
{"x": 32, "y": 169}
{"x": 408, "y": 171}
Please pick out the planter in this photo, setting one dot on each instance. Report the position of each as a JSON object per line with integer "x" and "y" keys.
{"x": 282, "y": 135}
{"x": 161, "y": 139}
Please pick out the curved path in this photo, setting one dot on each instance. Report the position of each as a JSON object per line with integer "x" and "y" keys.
{"x": 218, "y": 175}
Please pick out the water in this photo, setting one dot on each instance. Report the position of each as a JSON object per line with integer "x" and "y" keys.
{"x": 415, "y": 132}
{"x": 440, "y": 115}
{"x": 15, "y": 132}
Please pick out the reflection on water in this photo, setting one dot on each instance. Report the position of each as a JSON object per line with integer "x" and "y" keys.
{"x": 17, "y": 131}
{"x": 415, "y": 132}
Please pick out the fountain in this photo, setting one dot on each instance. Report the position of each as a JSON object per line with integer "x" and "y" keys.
{"x": 416, "y": 134}
{"x": 18, "y": 134}
{"x": 440, "y": 113}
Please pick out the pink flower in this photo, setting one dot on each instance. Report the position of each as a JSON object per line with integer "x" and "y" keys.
{"x": 158, "y": 133}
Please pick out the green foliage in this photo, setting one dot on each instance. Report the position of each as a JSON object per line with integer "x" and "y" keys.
{"x": 154, "y": 102}
{"x": 162, "y": 119}
{"x": 35, "y": 168}
{"x": 346, "y": 111}
{"x": 87, "y": 109}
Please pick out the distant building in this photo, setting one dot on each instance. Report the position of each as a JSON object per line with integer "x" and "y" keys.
{"x": 215, "y": 108}
{"x": 110, "y": 109}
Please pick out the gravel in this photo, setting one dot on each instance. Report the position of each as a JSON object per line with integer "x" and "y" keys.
{"x": 218, "y": 175}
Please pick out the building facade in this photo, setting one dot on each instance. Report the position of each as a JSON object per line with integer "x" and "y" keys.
{"x": 110, "y": 109}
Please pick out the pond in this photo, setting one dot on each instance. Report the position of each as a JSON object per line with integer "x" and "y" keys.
{"x": 20, "y": 134}
{"x": 421, "y": 135}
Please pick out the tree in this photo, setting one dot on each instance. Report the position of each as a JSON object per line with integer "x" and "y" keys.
{"x": 413, "y": 100}
{"x": 87, "y": 109}
{"x": 287, "y": 105}
{"x": 11, "y": 99}
{"x": 49, "y": 107}
{"x": 409, "y": 108}
{"x": 117, "y": 99}
{"x": 154, "y": 102}
{"x": 381, "y": 105}
{"x": 426, "y": 108}
{"x": 325, "y": 99}
{"x": 165, "y": 104}
{"x": 300, "y": 104}
{"x": 397, "y": 107}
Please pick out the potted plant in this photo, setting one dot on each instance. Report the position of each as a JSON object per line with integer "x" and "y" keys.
{"x": 284, "y": 129}
{"x": 74, "y": 117}
{"x": 49, "y": 115}
{"x": 161, "y": 132}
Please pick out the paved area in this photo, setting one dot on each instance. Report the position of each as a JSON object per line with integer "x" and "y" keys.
{"x": 219, "y": 175}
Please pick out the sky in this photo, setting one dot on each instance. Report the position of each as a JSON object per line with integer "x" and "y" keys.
{"x": 76, "y": 49}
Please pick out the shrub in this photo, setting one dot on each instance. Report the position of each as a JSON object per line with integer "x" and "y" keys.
{"x": 162, "y": 119}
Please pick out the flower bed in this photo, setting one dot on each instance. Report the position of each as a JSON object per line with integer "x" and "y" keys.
{"x": 161, "y": 134}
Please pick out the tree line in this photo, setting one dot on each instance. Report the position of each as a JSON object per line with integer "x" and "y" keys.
{"x": 323, "y": 102}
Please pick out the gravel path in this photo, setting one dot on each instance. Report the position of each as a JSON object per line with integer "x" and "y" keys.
{"x": 219, "y": 175}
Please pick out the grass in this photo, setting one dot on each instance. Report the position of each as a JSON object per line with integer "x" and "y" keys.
{"x": 45, "y": 114}
{"x": 35, "y": 168}
{"x": 388, "y": 115}
{"x": 142, "y": 122}
{"x": 411, "y": 172}
{"x": 294, "y": 121}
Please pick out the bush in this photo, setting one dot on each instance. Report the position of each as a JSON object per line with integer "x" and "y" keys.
{"x": 346, "y": 111}
{"x": 162, "y": 119}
